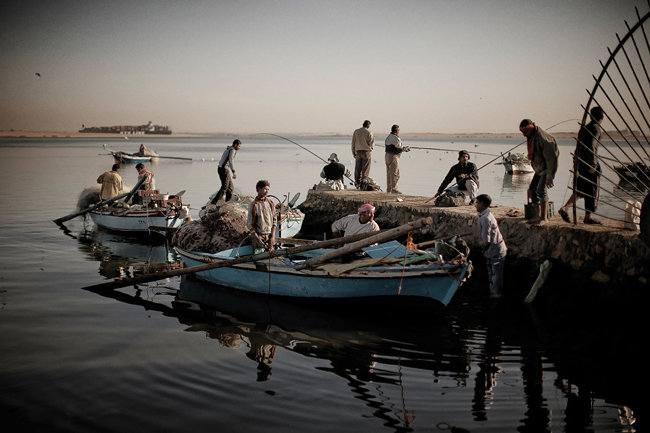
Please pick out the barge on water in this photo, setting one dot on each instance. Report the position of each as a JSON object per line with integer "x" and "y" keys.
{"x": 129, "y": 130}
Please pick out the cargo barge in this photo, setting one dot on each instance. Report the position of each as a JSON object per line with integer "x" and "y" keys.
{"x": 129, "y": 130}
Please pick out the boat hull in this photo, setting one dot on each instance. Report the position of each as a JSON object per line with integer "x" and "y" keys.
{"x": 383, "y": 284}
{"x": 128, "y": 159}
{"x": 134, "y": 222}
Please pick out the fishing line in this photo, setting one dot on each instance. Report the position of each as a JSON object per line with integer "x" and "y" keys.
{"x": 501, "y": 156}
{"x": 302, "y": 147}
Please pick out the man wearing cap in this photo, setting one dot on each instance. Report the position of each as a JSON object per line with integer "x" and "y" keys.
{"x": 466, "y": 175}
{"x": 363, "y": 222}
{"x": 394, "y": 149}
{"x": 362, "y": 144}
{"x": 544, "y": 156}
{"x": 334, "y": 172}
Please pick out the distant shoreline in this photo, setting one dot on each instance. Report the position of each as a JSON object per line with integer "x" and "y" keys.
{"x": 76, "y": 134}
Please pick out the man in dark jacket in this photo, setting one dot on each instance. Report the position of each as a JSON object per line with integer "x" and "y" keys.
{"x": 466, "y": 175}
{"x": 334, "y": 172}
{"x": 544, "y": 158}
{"x": 587, "y": 183}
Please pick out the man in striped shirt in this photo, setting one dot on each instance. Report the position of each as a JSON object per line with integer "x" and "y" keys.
{"x": 261, "y": 218}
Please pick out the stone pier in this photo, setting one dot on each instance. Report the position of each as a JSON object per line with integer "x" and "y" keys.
{"x": 606, "y": 253}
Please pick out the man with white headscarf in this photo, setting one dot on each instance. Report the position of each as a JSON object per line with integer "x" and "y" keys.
{"x": 363, "y": 222}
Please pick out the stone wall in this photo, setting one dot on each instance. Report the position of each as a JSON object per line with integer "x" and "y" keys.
{"x": 604, "y": 254}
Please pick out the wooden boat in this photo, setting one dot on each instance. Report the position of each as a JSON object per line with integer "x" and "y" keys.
{"x": 633, "y": 172}
{"x": 160, "y": 211}
{"x": 516, "y": 163}
{"x": 383, "y": 276}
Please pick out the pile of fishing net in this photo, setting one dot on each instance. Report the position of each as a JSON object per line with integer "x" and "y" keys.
{"x": 90, "y": 196}
{"x": 220, "y": 227}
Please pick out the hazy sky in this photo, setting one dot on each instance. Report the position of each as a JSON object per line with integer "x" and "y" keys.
{"x": 303, "y": 66}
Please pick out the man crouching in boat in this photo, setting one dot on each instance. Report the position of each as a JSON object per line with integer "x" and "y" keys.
{"x": 261, "y": 218}
{"x": 364, "y": 222}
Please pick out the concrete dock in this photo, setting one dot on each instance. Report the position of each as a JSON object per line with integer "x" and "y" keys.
{"x": 604, "y": 253}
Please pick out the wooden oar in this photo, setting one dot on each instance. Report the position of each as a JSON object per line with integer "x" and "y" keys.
{"x": 378, "y": 237}
{"x": 89, "y": 208}
{"x": 116, "y": 284}
{"x": 424, "y": 244}
{"x": 171, "y": 157}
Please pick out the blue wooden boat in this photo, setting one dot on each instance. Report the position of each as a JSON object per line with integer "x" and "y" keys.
{"x": 382, "y": 276}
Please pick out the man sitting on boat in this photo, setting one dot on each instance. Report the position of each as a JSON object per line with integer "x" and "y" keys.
{"x": 334, "y": 172}
{"x": 466, "y": 175}
{"x": 111, "y": 183}
{"x": 363, "y": 222}
{"x": 149, "y": 184}
{"x": 261, "y": 218}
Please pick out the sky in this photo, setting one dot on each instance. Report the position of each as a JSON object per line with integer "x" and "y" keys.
{"x": 321, "y": 67}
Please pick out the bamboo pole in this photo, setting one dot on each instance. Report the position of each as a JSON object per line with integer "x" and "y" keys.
{"x": 376, "y": 238}
{"x": 89, "y": 208}
{"x": 116, "y": 284}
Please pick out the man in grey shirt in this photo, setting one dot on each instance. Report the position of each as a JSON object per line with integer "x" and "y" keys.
{"x": 225, "y": 167}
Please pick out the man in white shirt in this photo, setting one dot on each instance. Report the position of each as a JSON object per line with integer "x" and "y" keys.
{"x": 394, "y": 149}
{"x": 494, "y": 246}
{"x": 363, "y": 222}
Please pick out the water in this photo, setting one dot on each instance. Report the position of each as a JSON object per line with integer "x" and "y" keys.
{"x": 160, "y": 359}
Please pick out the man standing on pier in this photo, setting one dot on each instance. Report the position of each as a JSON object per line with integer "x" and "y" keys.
{"x": 362, "y": 144}
{"x": 466, "y": 175}
{"x": 394, "y": 149}
{"x": 544, "y": 157}
{"x": 111, "y": 183}
{"x": 226, "y": 166}
{"x": 588, "y": 169}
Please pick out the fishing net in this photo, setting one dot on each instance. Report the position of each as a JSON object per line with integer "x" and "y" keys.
{"x": 220, "y": 227}
{"x": 90, "y": 196}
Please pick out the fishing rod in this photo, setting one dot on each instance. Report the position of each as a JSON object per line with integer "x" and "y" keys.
{"x": 303, "y": 147}
{"x": 501, "y": 156}
{"x": 446, "y": 150}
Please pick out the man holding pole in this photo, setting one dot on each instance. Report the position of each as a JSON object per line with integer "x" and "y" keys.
{"x": 466, "y": 175}
{"x": 394, "y": 149}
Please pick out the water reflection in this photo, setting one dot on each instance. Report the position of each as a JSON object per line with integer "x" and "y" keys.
{"x": 125, "y": 257}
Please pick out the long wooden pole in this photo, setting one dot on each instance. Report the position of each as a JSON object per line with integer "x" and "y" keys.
{"x": 116, "y": 284}
{"x": 89, "y": 208}
{"x": 378, "y": 237}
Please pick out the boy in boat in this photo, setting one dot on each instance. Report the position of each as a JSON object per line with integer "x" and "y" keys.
{"x": 494, "y": 246}
{"x": 261, "y": 218}
{"x": 149, "y": 184}
{"x": 363, "y": 222}
{"x": 224, "y": 169}
{"x": 111, "y": 183}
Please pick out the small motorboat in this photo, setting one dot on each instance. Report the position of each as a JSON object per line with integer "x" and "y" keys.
{"x": 633, "y": 172}
{"x": 516, "y": 163}
{"x": 152, "y": 212}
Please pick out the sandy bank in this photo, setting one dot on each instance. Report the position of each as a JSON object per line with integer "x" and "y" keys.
{"x": 76, "y": 134}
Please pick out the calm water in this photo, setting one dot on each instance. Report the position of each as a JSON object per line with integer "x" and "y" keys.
{"x": 178, "y": 355}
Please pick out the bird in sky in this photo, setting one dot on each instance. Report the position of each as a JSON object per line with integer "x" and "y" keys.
{"x": 38, "y": 74}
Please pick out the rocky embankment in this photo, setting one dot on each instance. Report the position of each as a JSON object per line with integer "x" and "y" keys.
{"x": 604, "y": 254}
